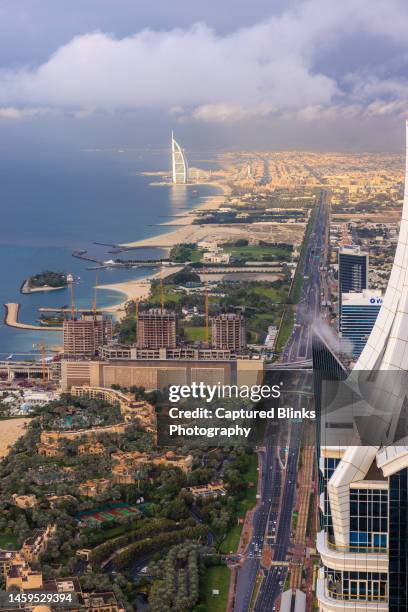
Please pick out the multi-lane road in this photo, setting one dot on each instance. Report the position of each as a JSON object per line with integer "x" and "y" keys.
{"x": 274, "y": 578}
{"x": 299, "y": 345}
{"x": 273, "y": 517}
{"x": 264, "y": 520}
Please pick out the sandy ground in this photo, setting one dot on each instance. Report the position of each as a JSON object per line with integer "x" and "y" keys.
{"x": 10, "y": 431}
{"x": 134, "y": 290}
{"x": 185, "y": 231}
{"x": 269, "y": 232}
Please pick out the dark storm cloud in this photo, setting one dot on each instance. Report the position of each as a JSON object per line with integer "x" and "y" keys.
{"x": 30, "y": 30}
{"x": 306, "y": 63}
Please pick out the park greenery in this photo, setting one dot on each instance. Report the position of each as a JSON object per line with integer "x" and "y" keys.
{"x": 262, "y": 303}
{"x": 48, "y": 278}
{"x": 185, "y": 252}
{"x": 176, "y": 584}
{"x": 168, "y": 517}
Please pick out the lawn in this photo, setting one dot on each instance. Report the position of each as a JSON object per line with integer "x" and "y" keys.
{"x": 273, "y": 294}
{"x": 8, "y": 541}
{"x": 193, "y": 334}
{"x": 250, "y": 476}
{"x": 168, "y": 293}
{"x": 249, "y": 500}
{"x": 285, "y": 329}
{"x": 217, "y": 577}
{"x": 196, "y": 255}
{"x": 256, "y": 252}
{"x": 182, "y": 253}
{"x": 230, "y": 544}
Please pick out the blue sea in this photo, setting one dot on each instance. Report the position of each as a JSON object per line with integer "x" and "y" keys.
{"x": 51, "y": 207}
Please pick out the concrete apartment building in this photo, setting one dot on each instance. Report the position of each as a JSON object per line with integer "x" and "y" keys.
{"x": 82, "y": 336}
{"x": 157, "y": 328}
{"x": 228, "y": 331}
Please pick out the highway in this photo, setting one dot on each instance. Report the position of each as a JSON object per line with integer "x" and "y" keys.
{"x": 264, "y": 514}
{"x": 299, "y": 345}
{"x": 273, "y": 517}
{"x": 273, "y": 582}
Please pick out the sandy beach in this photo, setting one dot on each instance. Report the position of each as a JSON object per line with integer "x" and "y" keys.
{"x": 183, "y": 230}
{"x": 138, "y": 289}
{"x": 10, "y": 432}
{"x": 186, "y": 231}
{"x": 267, "y": 231}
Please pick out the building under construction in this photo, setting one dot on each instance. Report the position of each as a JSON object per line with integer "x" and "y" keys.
{"x": 83, "y": 335}
{"x": 228, "y": 331}
{"x": 157, "y": 328}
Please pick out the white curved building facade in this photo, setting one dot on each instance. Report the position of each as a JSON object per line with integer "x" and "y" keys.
{"x": 179, "y": 163}
{"x": 364, "y": 543}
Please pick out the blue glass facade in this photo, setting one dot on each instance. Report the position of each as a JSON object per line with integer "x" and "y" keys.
{"x": 357, "y": 321}
{"x": 353, "y": 271}
{"x": 368, "y": 519}
{"x": 398, "y": 545}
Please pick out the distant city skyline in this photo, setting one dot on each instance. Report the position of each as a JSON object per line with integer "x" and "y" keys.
{"x": 301, "y": 74}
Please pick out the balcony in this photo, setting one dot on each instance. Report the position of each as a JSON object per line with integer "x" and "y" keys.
{"x": 356, "y": 548}
{"x": 330, "y": 601}
{"x": 351, "y": 558}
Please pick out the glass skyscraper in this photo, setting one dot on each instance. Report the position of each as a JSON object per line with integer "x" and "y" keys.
{"x": 357, "y": 317}
{"x": 353, "y": 269}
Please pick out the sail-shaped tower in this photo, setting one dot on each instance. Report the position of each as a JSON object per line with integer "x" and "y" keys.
{"x": 179, "y": 163}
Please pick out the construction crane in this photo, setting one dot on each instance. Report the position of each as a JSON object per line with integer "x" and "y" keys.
{"x": 41, "y": 346}
{"x": 206, "y": 314}
{"x": 161, "y": 290}
{"x": 94, "y": 296}
{"x": 136, "y": 318}
{"x": 70, "y": 280}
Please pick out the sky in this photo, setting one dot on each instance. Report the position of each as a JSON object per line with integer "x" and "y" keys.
{"x": 266, "y": 74}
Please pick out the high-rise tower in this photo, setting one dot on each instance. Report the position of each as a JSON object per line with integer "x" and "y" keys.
{"x": 364, "y": 543}
{"x": 157, "y": 328}
{"x": 179, "y": 163}
{"x": 353, "y": 272}
{"x": 82, "y": 336}
{"x": 353, "y": 269}
{"x": 228, "y": 331}
{"x": 358, "y": 314}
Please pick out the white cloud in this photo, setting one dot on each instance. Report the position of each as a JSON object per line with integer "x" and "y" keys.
{"x": 221, "y": 113}
{"x": 11, "y": 112}
{"x": 268, "y": 68}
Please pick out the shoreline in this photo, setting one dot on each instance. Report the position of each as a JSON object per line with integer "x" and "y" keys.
{"x": 139, "y": 289}
{"x": 136, "y": 290}
{"x": 184, "y": 231}
{"x": 10, "y": 431}
{"x": 26, "y": 289}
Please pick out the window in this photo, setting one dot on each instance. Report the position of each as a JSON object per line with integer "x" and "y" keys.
{"x": 368, "y": 518}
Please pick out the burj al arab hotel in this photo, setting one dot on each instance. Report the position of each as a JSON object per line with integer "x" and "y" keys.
{"x": 178, "y": 162}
